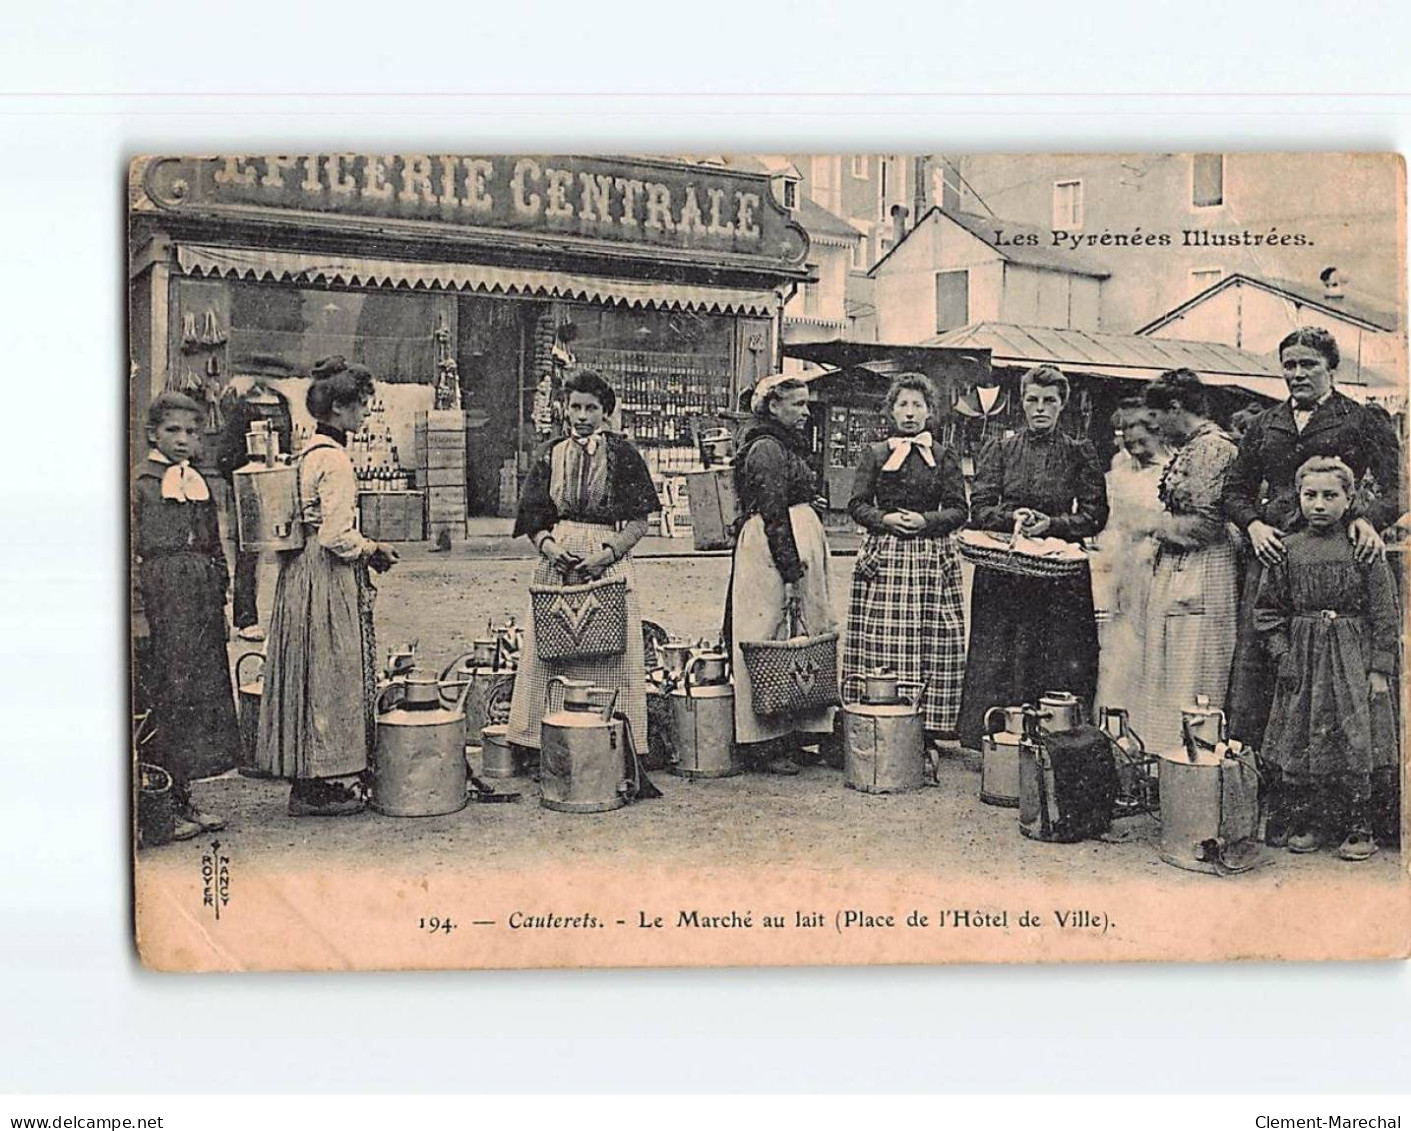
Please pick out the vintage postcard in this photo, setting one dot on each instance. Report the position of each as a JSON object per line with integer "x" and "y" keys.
{"x": 767, "y": 559}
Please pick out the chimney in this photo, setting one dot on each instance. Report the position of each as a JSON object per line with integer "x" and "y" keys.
{"x": 899, "y": 215}
{"x": 1331, "y": 279}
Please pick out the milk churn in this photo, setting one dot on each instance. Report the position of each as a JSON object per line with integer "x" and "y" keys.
{"x": 1209, "y": 797}
{"x": 582, "y": 750}
{"x": 250, "y": 690}
{"x": 480, "y": 671}
{"x": 884, "y": 740}
{"x": 1059, "y": 711}
{"x": 999, "y": 750}
{"x": 715, "y": 507}
{"x": 497, "y": 758}
{"x": 1136, "y": 770}
{"x": 268, "y": 513}
{"x": 675, "y": 654}
{"x": 703, "y": 718}
{"x": 419, "y": 770}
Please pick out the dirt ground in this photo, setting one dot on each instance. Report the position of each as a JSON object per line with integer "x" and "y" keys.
{"x": 445, "y": 600}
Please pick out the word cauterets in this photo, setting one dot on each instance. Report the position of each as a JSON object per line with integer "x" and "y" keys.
{"x": 481, "y": 187}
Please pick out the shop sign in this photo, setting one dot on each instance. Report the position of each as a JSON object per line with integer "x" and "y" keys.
{"x": 670, "y": 204}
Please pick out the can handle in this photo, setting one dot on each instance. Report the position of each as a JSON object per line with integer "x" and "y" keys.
{"x": 985, "y": 726}
{"x": 919, "y": 684}
{"x": 847, "y": 679}
{"x": 693, "y": 662}
{"x": 445, "y": 681}
{"x": 241, "y": 661}
{"x": 549, "y": 693}
{"x": 397, "y": 686}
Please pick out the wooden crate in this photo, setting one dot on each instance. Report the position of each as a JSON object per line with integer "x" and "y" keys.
{"x": 392, "y": 516}
{"x": 443, "y": 477}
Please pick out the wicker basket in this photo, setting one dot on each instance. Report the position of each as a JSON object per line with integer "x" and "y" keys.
{"x": 792, "y": 676}
{"x": 577, "y": 621}
{"x": 991, "y": 551}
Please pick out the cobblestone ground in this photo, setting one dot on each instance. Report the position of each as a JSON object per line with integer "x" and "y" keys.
{"x": 444, "y": 601}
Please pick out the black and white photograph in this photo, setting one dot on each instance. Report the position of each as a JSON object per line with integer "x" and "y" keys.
{"x": 758, "y": 559}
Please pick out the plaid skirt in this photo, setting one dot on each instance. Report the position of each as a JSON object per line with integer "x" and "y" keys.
{"x": 907, "y": 613}
{"x": 625, "y": 674}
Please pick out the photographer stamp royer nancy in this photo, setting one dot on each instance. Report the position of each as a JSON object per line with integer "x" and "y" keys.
{"x": 567, "y": 560}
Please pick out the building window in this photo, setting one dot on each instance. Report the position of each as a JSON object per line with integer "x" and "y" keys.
{"x": 1207, "y": 180}
{"x": 791, "y": 195}
{"x": 952, "y": 300}
{"x": 1203, "y": 277}
{"x": 882, "y": 171}
{"x": 1067, "y": 205}
{"x": 859, "y": 254}
{"x": 825, "y": 189}
{"x": 859, "y": 166}
{"x": 810, "y": 294}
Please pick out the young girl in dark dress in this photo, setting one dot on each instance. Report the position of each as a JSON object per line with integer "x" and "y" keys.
{"x": 182, "y": 576}
{"x": 1331, "y": 630}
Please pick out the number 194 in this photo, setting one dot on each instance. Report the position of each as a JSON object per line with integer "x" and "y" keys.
{"x": 434, "y": 924}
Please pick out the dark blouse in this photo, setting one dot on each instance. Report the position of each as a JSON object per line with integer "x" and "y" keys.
{"x": 1047, "y": 472}
{"x": 630, "y": 495}
{"x": 1273, "y": 449}
{"x": 772, "y": 475}
{"x": 165, "y": 526}
{"x": 937, "y": 492}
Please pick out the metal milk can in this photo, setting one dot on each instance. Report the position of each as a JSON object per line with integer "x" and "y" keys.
{"x": 999, "y": 765}
{"x": 703, "y": 718}
{"x": 1038, "y": 796}
{"x": 497, "y": 759}
{"x": 675, "y": 654}
{"x": 1136, "y": 770}
{"x": 715, "y": 507}
{"x": 1059, "y": 711}
{"x": 1209, "y": 797}
{"x": 419, "y": 769}
{"x": 250, "y": 690}
{"x": 582, "y": 750}
{"x": 268, "y": 513}
{"x": 884, "y": 739}
{"x": 482, "y": 671}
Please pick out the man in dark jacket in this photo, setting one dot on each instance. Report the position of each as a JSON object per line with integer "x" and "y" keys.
{"x": 1261, "y": 499}
{"x": 259, "y": 402}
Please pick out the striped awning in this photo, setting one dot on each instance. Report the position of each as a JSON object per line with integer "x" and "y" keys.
{"x": 300, "y": 267}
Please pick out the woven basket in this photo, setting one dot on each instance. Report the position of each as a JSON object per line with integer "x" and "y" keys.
{"x": 990, "y": 552}
{"x": 577, "y": 621}
{"x": 792, "y": 676}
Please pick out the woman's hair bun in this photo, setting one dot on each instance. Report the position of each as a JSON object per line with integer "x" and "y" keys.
{"x": 326, "y": 367}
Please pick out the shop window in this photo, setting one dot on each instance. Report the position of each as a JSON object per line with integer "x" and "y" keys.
{"x": 284, "y": 330}
{"x": 1068, "y": 206}
{"x": 1207, "y": 180}
{"x": 952, "y": 300}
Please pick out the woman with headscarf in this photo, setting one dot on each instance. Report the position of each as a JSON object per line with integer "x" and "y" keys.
{"x": 1029, "y": 635}
{"x": 584, "y": 506}
{"x": 907, "y": 612}
{"x": 780, "y": 564}
{"x": 1192, "y": 608}
{"x": 318, "y": 711}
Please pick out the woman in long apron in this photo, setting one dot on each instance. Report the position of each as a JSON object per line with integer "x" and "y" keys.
{"x": 584, "y": 506}
{"x": 1193, "y": 605}
{"x": 318, "y": 711}
{"x": 907, "y": 612}
{"x": 1029, "y": 635}
{"x": 781, "y": 562}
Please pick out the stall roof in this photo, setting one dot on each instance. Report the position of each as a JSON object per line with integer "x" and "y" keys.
{"x": 1350, "y": 309}
{"x": 1117, "y": 355}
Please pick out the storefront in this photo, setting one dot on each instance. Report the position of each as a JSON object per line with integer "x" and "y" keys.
{"x": 491, "y": 277}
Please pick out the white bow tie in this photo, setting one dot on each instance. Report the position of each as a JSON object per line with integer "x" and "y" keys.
{"x": 903, "y": 446}
{"x": 181, "y": 482}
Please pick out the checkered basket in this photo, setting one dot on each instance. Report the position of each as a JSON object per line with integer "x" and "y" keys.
{"x": 795, "y": 675}
{"x": 577, "y": 621}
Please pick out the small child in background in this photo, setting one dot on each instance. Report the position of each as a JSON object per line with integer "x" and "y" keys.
{"x": 1331, "y": 626}
{"x": 182, "y": 575}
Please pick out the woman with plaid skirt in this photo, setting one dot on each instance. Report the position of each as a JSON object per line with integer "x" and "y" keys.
{"x": 584, "y": 506}
{"x": 906, "y": 612}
